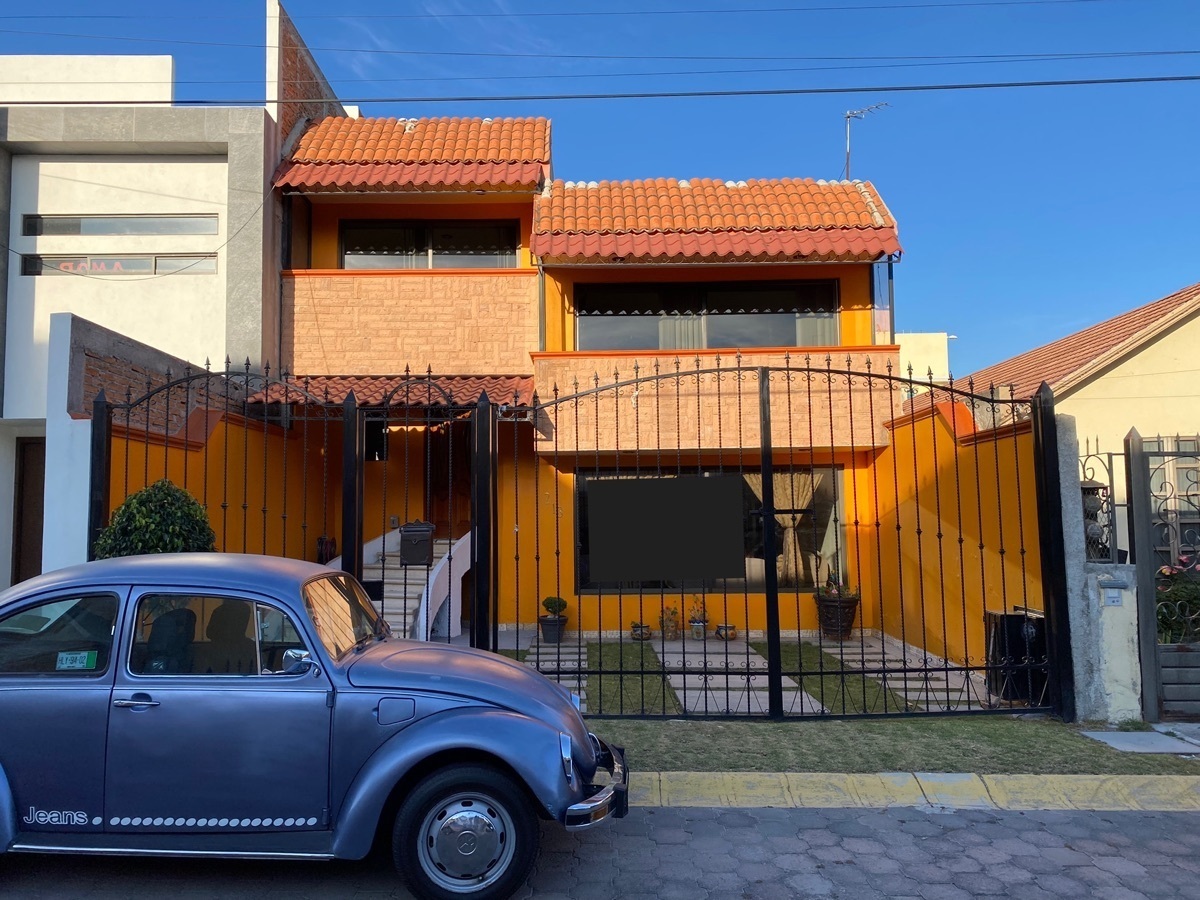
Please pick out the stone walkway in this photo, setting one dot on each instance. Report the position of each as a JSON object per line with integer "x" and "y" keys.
{"x": 716, "y": 677}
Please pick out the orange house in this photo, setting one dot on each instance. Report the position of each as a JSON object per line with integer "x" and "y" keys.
{"x": 695, "y": 393}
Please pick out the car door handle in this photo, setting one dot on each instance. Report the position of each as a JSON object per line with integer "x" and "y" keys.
{"x": 134, "y": 704}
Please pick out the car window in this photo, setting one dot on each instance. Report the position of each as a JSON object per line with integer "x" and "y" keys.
{"x": 177, "y": 634}
{"x": 341, "y": 613}
{"x": 64, "y": 636}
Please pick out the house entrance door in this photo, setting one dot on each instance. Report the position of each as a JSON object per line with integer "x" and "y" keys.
{"x": 27, "y": 509}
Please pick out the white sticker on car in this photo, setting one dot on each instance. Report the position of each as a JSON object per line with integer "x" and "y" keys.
{"x": 75, "y": 659}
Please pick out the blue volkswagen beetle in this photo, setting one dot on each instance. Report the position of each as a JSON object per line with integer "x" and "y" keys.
{"x": 227, "y": 705}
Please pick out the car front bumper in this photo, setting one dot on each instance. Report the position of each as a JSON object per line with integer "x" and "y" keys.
{"x": 611, "y": 801}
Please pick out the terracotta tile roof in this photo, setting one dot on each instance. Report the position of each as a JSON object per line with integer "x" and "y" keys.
{"x": 333, "y": 177}
{"x": 1069, "y": 361}
{"x": 419, "y": 154}
{"x": 438, "y": 390}
{"x": 666, "y": 220}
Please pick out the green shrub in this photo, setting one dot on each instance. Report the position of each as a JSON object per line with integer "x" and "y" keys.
{"x": 161, "y": 518}
{"x": 554, "y": 605}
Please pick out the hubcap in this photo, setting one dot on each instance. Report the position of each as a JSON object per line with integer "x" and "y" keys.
{"x": 466, "y": 842}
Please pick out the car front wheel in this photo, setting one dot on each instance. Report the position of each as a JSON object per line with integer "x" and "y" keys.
{"x": 465, "y": 831}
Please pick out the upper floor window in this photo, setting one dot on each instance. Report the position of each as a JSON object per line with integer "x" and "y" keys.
{"x": 31, "y": 226}
{"x": 429, "y": 245}
{"x": 715, "y": 314}
{"x": 118, "y": 265}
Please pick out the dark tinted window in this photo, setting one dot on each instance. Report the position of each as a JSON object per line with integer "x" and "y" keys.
{"x": 118, "y": 225}
{"x": 65, "y": 636}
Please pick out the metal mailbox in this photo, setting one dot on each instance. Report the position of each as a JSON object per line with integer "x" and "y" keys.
{"x": 416, "y": 544}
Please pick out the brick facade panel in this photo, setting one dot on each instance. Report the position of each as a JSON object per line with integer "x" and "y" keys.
{"x": 357, "y": 324}
{"x": 810, "y": 407}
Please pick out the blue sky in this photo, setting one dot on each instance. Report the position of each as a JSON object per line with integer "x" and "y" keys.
{"x": 1024, "y": 214}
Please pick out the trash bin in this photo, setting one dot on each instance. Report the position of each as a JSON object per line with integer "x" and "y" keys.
{"x": 416, "y": 544}
{"x": 1016, "y": 655}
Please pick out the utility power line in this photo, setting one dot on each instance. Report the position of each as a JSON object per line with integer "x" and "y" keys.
{"x": 930, "y": 63}
{"x": 656, "y": 95}
{"x": 579, "y": 14}
{"x": 482, "y": 54}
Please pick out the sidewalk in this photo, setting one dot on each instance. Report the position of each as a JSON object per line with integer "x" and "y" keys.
{"x": 922, "y": 790}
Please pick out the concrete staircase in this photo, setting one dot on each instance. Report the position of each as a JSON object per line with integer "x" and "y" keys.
{"x": 403, "y": 586}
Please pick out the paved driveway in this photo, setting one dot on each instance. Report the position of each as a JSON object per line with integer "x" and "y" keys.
{"x": 726, "y": 853}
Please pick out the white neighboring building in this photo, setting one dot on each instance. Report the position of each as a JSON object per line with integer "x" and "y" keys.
{"x": 152, "y": 221}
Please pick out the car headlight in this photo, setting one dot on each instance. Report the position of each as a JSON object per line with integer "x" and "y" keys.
{"x": 568, "y": 764}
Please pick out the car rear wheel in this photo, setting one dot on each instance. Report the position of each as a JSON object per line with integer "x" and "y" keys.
{"x": 467, "y": 831}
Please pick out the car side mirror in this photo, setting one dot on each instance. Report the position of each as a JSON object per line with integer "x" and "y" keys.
{"x": 297, "y": 660}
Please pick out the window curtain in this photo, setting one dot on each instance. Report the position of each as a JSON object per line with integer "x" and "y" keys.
{"x": 680, "y": 332}
{"x": 792, "y": 491}
{"x": 816, "y": 330}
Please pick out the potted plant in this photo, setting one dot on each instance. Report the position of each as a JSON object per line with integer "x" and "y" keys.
{"x": 639, "y": 631}
{"x": 837, "y": 605}
{"x": 698, "y": 618}
{"x": 668, "y": 621}
{"x": 1177, "y": 603}
{"x": 554, "y": 623}
{"x": 727, "y": 632}
{"x": 161, "y": 518}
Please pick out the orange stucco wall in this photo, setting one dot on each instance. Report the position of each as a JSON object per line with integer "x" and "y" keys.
{"x": 947, "y": 529}
{"x": 273, "y": 491}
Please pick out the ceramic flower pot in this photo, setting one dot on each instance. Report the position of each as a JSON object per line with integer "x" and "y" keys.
{"x": 726, "y": 632}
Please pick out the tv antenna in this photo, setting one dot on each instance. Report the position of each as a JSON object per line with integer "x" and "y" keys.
{"x": 857, "y": 114}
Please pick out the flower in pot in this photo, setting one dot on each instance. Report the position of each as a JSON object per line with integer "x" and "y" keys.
{"x": 555, "y": 622}
{"x": 698, "y": 618}
{"x": 668, "y": 621}
{"x": 837, "y": 605}
{"x": 639, "y": 631}
{"x": 727, "y": 632}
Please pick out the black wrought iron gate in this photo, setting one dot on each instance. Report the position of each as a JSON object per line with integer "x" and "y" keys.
{"x": 785, "y": 540}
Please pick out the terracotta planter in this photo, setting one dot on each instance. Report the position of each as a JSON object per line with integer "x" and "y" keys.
{"x": 836, "y": 616}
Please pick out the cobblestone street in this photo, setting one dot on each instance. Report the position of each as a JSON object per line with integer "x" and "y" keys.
{"x": 731, "y": 853}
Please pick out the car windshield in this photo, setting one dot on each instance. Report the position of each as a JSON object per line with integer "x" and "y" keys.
{"x": 342, "y": 614}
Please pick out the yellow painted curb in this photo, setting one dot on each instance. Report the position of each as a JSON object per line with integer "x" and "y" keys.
{"x": 817, "y": 790}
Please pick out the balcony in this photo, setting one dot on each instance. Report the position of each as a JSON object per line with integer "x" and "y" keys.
{"x": 709, "y": 400}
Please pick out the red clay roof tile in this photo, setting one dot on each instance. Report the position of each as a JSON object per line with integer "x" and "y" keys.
{"x": 398, "y": 177}
{"x": 1058, "y": 362}
{"x": 339, "y": 153}
{"x": 438, "y": 390}
{"x": 664, "y": 220}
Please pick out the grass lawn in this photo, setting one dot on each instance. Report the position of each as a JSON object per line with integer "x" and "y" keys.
{"x": 988, "y": 744}
{"x": 841, "y": 694}
{"x": 631, "y": 692}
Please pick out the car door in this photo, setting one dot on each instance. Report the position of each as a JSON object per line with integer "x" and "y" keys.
{"x": 207, "y": 732}
{"x": 56, "y": 677}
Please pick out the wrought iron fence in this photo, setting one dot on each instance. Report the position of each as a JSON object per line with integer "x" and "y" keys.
{"x": 1105, "y": 510}
{"x": 793, "y": 539}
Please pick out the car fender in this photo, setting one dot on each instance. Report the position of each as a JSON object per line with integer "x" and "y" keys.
{"x": 8, "y": 814}
{"x": 529, "y": 746}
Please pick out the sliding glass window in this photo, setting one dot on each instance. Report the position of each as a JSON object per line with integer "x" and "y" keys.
{"x": 429, "y": 245}
{"x": 696, "y": 316}
{"x": 33, "y": 226}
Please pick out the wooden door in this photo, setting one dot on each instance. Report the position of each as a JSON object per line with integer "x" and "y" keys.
{"x": 28, "y": 507}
